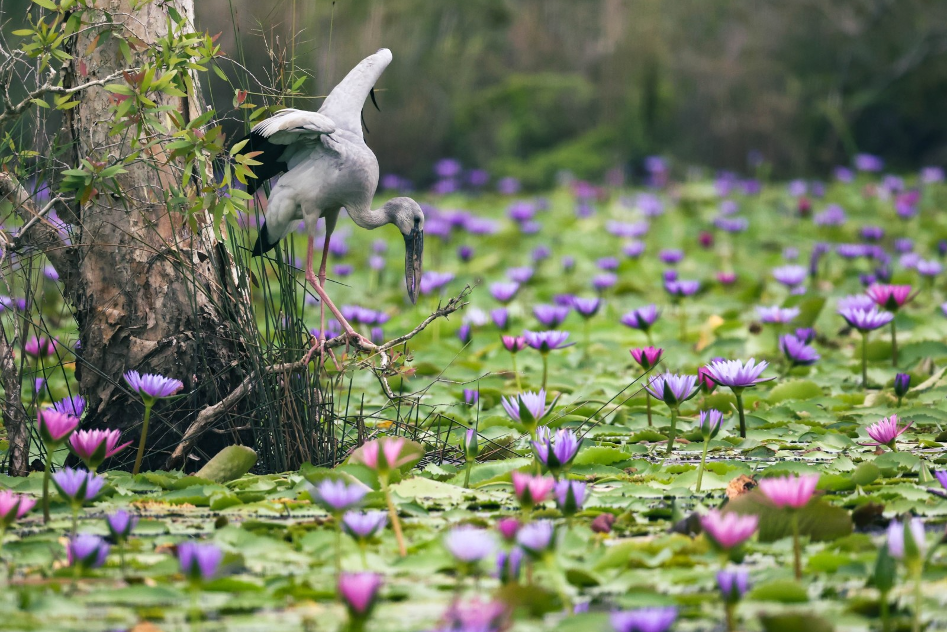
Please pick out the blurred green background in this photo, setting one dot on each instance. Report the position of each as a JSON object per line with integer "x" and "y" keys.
{"x": 530, "y": 87}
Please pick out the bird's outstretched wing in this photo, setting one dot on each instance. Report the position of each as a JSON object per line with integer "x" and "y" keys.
{"x": 291, "y": 125}
{"x": 274, "y": 136}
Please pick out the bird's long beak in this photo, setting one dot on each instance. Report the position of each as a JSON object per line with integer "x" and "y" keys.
{"x": 413, "y": 255}
{"x": 372, "y": 94}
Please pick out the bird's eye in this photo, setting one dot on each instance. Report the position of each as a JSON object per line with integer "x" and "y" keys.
{"x": 417, "y": 222}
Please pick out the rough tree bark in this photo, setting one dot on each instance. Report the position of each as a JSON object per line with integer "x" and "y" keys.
{"x": 148, "y": 293}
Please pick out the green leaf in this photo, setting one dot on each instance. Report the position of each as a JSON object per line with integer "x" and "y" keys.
{"x": 866, "y": 473}
{"x": 780, "y": 590}
{"x": 47, "y": 4}
{"x": 229, "y": 464}
{"x": 794, "y": 622}
{"x": 795, "y": 389}
{"x": 818, "y": 520}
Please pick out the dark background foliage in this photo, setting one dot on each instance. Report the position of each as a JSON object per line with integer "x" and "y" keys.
{"x": 529, "y": 87}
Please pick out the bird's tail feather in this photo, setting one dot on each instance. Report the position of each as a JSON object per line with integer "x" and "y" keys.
{"x": 263, "y": 243}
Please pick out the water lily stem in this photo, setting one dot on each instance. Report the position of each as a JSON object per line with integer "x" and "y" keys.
{"x": 916, "y": 618}
{"x": 796, "y": 548}
{"x": 516, "y": 374}
{"x": 730, "y": 611}
{"x": 672, "y": 433}
{"x": 338, "y": 547}
{"x": 46, "y": 475}
{"x": 559, "y": 581}
{"x": 647, "y": 399}
{"x": 545, "y": 369}
{"x": 470, "y": 463}
{"x": 739, "y": 397}
{"x": 143, "y": 440}
{"x": 894, "y": 344}
{"x": 885, "y": 613}
{"x": 865, "y": 359}
{"x": 393, "y": 516}
{"x": 703, "y": 459}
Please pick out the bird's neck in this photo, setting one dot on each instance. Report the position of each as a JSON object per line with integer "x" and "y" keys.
{"x": 369, "y": 218}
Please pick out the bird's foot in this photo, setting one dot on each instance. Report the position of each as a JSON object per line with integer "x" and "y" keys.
{"x": 359, "y": 341}
{"x": 318, "y": 344}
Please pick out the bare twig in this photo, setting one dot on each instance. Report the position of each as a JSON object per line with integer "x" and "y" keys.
{"x": 208, "y": 416}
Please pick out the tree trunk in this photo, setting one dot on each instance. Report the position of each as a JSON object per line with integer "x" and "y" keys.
{"x": 11, "y": 408}
{"x": 149, "y": 294}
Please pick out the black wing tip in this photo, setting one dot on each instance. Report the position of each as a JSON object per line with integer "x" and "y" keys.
{"x": 263, "y": 243}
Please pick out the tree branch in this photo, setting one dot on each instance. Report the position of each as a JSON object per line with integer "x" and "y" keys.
{"x": 12, "y": 111}
{"x": 209, "y": 415}
{"x": 40, "y": 235}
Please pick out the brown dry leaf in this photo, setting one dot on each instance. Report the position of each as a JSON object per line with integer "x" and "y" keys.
{"x": 146, "y": 626}
{"x": 742, "y": 484}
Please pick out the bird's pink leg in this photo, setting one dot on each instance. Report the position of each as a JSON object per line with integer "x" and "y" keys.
{"x": 360, "y": 340}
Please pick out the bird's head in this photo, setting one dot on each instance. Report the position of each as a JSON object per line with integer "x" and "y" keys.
{"x": 407, "y": 215}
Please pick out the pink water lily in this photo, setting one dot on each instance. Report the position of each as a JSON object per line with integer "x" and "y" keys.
{"x": 790, "y": 491}
{"x": 94, "y": 446}
{"x": 54, "y": 426}
{"x": 889, "y": 297}
{"x": 13, "y": 507}
{"x": 728, "y": 530}
{"x": 385, "y": 454}
{"x": 531, "y": 490}
{"x": 887, "y": 431}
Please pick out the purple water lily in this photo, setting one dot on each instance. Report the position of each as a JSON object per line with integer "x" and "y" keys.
{"x": 336, "y": 496}
{"x": 74, "y": 405}
{"x": 556, "y": 451}
{"x": 672, "y": 389}
{"x": 570, "y": 496}
{"x": 537, "y": 538}
{"x": 733, "y": 584}
{"x": 586, "y": 307}
{"x": 87, "y": 551}
{"x": 550, "y": 316}
{"x": 737, "y": 376}
{"x": 776, "y": 315}
{"x": 77, "y": 486}
{"x": 199, "y": 562}
{"x": 364, "y": 525}
{"x": 469, "y": 544}
{"x": 152, "y": 386}
{"x": 527, "y": 408}
{"x": 644, "y": 619}
{"x": 797, "y": 352}
{"x": 642, "y": 318}
{"x": 121, "y": 524}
